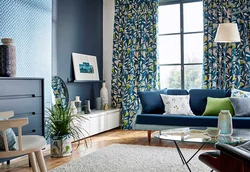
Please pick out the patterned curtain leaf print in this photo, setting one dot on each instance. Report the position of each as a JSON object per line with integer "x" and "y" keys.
{"x": 135, "y": 62}
{"x": 226, "y": 66}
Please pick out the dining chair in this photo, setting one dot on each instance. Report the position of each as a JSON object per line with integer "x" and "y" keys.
{"x": 30, "y": 145}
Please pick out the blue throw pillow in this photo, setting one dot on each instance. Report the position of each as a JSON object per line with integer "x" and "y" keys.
{"x": 11, "y": 139}
{"x": 151, "y": 101}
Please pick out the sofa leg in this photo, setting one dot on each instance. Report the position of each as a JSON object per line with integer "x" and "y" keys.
{"x": 149, "y": 136}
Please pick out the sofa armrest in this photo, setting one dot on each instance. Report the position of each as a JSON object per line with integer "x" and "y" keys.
{"x": 235, "y": 152}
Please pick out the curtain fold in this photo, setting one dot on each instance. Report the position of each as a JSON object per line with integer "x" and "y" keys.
{"x": 226, "y": 66}
{"x": 135, "y": 62}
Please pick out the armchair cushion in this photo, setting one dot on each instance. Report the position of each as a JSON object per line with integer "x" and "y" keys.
{"x": 11, "y": 139}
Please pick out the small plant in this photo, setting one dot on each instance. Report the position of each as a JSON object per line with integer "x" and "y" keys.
{"x": 62, "y": 122}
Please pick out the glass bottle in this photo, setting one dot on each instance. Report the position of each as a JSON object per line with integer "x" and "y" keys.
{"x": 225, "y": 123}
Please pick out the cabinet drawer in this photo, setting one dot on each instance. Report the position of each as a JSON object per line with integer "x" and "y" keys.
{"x": 20, "y": 88}
{"x": 22, "y": 106}
{"x": 35, "y": 123}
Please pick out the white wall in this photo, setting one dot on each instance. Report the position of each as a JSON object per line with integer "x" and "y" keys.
{"x": 108, "y": 26}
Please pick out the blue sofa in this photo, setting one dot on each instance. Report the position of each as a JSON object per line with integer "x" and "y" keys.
{"x": 151, "y": 118}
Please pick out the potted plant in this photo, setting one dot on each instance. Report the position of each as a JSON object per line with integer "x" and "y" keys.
{"x": 63, "y": 127}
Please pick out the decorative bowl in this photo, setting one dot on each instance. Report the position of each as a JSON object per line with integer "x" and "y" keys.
{"x": 213, "y": 131}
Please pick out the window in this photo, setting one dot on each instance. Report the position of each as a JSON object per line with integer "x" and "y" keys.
{"x": 181, "y": 44}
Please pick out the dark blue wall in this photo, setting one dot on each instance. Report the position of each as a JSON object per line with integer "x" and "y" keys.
{"x": 77, "y": 27}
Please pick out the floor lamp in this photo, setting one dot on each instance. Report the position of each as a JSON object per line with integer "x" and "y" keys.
{"x": 226, "y": 33}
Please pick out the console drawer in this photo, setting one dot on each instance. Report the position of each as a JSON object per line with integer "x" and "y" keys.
{"x": 22, "y": 106}
{"x": 21, "y": 87}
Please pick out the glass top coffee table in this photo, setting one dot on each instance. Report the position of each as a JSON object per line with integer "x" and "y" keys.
{"x": 199, "y": 135}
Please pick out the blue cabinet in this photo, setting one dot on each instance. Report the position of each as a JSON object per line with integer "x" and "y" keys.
{"x": 24, "y": 96}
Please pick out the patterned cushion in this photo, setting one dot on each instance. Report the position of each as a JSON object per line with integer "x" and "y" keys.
{"x": 11, "y": 139}
{"x": 240, "y": 93}
{"x": 177, "y": 104}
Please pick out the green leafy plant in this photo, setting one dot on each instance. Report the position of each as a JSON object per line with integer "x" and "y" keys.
{"x": 61, "y": 122}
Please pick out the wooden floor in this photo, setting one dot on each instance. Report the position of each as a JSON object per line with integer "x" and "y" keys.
{"x": 96, "y": 142}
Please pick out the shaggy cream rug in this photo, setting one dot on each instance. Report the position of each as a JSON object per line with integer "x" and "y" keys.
{"x": 134, "y": 158}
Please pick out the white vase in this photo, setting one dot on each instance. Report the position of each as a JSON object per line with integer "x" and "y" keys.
{"x": 225, "y": 123}
{"x": 73, "y": 108}
{"x": 104, "y": 94}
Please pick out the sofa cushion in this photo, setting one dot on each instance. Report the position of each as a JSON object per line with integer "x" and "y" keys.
{"x": 187, "y": 121}
{"x": 176, "y": 104}
{"x": 240, "y": 93}
{"x": 241, "y": 106}
{"x": 177, "y": 92}
{"x": 151, "y": 101}
{"x": 215, "y": 105}
{"x": 198, "y": 98}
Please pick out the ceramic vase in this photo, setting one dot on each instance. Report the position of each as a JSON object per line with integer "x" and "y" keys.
{"x": 225, "y": 123}
{"x": 60, "y": 146}
{"x": 73, "y": 108}
{"x": 78, "y": 104}
{"x": 104, "y": 94}
{"x": 8, "y": 58}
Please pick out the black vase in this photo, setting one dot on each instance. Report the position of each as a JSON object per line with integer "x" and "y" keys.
{"x": 5, "y": 61}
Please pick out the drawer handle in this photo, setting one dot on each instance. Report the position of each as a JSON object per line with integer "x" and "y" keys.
{"x": 33, "y": 95}
{"x": 33, "y": 131}
{"x": 33, "y": 113}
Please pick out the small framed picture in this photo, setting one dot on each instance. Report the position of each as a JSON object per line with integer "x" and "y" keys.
{"x": 85, "y": 67}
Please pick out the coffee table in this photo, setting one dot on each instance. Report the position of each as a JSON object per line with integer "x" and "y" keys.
{"x": 199, "y": 135}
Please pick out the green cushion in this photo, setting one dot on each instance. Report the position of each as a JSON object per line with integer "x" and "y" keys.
{"x": 215, "y": 105}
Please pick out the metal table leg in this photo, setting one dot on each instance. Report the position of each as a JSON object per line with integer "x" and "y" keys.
{"x": 182, "y": 156}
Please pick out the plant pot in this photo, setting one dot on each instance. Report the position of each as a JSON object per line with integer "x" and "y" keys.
{"x": 60, "y": 146}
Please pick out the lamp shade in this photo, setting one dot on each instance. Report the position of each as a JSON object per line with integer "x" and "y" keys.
{"x": 227, "y": 32}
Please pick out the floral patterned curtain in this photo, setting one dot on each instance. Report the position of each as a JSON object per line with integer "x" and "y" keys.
{"x": 135, "y": 63}
{"x": 226, "y": 65}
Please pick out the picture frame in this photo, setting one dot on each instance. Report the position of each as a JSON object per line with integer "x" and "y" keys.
{"x": 85, "y": 67}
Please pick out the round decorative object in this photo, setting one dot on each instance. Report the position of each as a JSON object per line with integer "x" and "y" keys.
{"x": 60, "y": 91}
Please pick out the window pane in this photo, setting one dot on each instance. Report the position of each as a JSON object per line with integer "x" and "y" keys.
{"x": 169, "y": 49}
{"x": 169, "y": 19}
{"x": 193, "y": 76}
{"x": 193, "y": 17}
{"x": 193, "y": 48}
{"x": 170, "y": 76}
